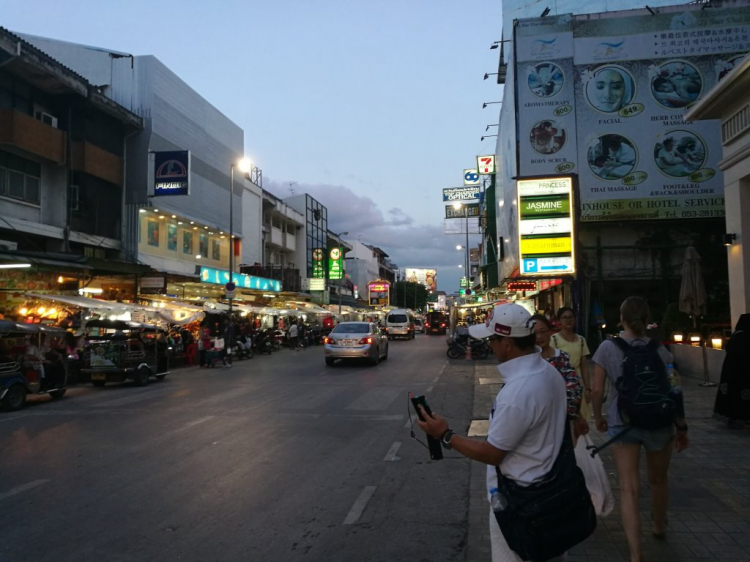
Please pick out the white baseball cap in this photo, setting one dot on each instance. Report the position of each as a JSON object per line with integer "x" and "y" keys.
{"x": 511, "y": 320}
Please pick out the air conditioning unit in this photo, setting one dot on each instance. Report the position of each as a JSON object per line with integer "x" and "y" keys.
{"x": 46, "y": 118}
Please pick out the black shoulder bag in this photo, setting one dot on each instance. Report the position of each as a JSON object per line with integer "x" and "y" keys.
{"x": 547, "y": 518}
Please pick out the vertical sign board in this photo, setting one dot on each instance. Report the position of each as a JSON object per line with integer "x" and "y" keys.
{"x": 335, "y": 263}
{"x": 318, "y": 263}
{"x": 486, "y": 165}
{"x": 172, "y": 173}
{"x": 471, "y": 177}
{"x": 379, "y": 292}
{"x": 545, "y": 226}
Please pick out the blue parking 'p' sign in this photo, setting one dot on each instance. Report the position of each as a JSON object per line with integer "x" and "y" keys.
{"x": 471, "y": 177}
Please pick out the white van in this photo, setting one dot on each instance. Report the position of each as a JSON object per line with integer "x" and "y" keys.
{"x": 399, "y": 324}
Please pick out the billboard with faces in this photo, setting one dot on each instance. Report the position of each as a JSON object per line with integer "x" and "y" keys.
{"x": 605, "y": 98}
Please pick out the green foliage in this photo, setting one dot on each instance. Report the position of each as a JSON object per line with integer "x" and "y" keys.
{"x": 409, "y": 295}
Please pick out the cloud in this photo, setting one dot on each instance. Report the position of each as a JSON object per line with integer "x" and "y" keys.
{"x": 407, "y": 244}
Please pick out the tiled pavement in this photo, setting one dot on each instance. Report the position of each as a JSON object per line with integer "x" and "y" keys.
{"x": 709, "y": 512}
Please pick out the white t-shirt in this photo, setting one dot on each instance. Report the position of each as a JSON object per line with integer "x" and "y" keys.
{"x": 527, "y": 419}
{"x": 293, "y": 331}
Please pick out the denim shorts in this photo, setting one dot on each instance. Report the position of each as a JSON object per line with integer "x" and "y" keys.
{"x": 652, "y": 439}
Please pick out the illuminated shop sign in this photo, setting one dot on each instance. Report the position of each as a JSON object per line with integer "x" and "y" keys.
{"x": 318, "y": 263}
{"x": 379, "y": 292}
{"x": 335, "y": 263}
{"x": 172, "y": 173}
{"x": 241, "y": 280}
{"x": 545, "y": 219}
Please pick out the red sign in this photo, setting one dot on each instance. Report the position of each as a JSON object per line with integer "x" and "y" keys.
{"x": 545, "y": 284}
{"x": 522, "y": 286}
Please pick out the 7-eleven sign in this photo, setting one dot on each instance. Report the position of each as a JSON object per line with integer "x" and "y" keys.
{"x": 486, "y": 165}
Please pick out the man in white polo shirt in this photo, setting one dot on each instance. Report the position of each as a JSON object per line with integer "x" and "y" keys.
{"x": 527, "y": 421}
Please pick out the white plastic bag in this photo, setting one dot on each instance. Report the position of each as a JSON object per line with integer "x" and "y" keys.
{"x": 596, "y": 477}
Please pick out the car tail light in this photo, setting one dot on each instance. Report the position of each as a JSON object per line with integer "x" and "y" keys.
{"x": 442, "y": 325}
{"x": 427, "y": 324}
{"x": 365, "y": 340}
{"x": 329, "y": 341}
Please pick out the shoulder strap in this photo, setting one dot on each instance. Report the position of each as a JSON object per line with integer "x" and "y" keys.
{"x": 622, "y": 344}
{"x": 554, "y": 339}
{"x": 653, "y": 344}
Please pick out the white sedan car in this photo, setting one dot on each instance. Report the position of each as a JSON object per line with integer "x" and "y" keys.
{"x": 356, "y": 340}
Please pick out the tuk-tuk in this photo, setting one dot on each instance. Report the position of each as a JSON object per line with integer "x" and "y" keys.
{"x": 117, "y": 350}
{"x": 31, "y": 362}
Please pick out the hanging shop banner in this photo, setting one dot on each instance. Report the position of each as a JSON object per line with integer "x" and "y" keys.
{"x": 471, "y": 177}
{"x": 318, "y": 263}
{"x": 426, "y": 277}
{"x": 335, "y": 263}
{"x": 452, "y": 213}
{"x": 241, "y": 280}
{"x": 172, "y": 173}
{"x": 545, "y": 218}
{"x": 609, "y": 97}
{"x": 379, "y": 292}
{"x": 461, "y": 193}
{"x": 486, "y": 165}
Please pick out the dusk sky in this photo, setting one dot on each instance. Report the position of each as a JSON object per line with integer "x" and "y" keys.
{"x": 371, "y": 107}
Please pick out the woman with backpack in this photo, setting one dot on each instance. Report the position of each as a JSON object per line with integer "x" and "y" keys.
{"x": 617, "y": 361}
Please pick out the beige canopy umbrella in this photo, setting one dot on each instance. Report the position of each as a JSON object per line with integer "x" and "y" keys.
{"x": 692, "y": 290}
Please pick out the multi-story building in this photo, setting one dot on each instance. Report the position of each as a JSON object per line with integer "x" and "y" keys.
{"x": 600, "y": 98}
{"x": 63, "y": 146}
{"x": 175, "y": 234}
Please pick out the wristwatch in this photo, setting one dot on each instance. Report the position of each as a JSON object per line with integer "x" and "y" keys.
{"x": 445, "y": 439}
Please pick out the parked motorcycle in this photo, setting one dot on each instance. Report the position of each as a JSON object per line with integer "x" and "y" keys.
{"x": 243, "y": 348}
{"x": 457, "y": 346}
{"x": 263, "y": 342}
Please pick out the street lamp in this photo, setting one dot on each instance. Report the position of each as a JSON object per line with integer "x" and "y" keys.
{"x": 458, "y": 205}
{"x": 244, "y": 165}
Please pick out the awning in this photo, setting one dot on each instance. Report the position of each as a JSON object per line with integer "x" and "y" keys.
{"x": 41, "y": 260}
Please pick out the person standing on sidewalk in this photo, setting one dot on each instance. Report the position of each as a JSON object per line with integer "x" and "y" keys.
{"x": 576, "y": 347}
{"x": 528, "y": 418}
{"x": 634, "y": 314}
{"x": 301, "y": 331}
{"x": 293, "y": 336}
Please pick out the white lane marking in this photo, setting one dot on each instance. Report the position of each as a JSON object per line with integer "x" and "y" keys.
{"x": 196, "y": 422}
{"x": 359, "y": 506}
{"x": 429, "y": 388}
{"x": 437, "y": 378}
{"x": 22, "y": 488}
{"x": 443, "y": 369}
{"x": 391, "y": 454}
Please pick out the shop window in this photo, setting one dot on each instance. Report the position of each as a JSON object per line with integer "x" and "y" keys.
{"x": 172, "y": 237}
{"x": 152, "y": 228}
{"x": 215, "y": 250}
{"x": 187, "y": 242}
{"x": 203, "y": 243}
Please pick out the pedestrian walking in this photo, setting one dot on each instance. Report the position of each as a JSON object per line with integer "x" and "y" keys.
{"x": 293, "y": 334}
{"x": 302, "y": 335}
{"x": 528, "y": 444}
{"x": 733, "y": 396}
{"x": 228, "y": 344}
{"x": 613, "y": 361}
{"x": 204, "y": 344}
{"x": 576, "y": 347}
{"x": 561, "y": 361}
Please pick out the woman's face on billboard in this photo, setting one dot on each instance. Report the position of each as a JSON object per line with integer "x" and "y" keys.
{"x": 608, "y": 90}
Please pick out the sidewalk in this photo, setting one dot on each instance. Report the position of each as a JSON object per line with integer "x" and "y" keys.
{"x": 709, "y": 510}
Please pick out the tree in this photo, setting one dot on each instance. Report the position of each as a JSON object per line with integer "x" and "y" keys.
{"x": 409, "y": 295}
